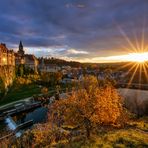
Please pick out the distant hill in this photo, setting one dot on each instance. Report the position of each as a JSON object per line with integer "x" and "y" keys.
{"x": 59, "y": 62}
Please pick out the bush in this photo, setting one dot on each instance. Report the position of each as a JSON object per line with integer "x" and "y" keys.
{"x": 22, "y": 81}
{"x": 44, "y": 91}
{"x": 87, "y": 106}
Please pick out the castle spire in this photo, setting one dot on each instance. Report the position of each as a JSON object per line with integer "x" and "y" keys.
{"x": 20, "y": 45}
{"x": 21, "y": 50}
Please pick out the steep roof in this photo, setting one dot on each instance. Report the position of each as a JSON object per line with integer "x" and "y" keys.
{"x": 3, "y": 48}
{"x": 30, "y": 57}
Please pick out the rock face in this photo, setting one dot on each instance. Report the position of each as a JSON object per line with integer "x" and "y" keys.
{"x": 7, "y": 75}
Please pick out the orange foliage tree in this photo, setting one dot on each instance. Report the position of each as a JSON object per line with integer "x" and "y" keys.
{"x": 87, "y": 106}
{"x": 51, "y": 78}
{"x": 44, "y": 90}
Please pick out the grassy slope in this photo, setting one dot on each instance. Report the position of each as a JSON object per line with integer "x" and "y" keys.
{"x": 21, "y": 92}
{"x": 24, "y": 91}
{"x": 124, "y": 138}
{"x": 134, "y": 136}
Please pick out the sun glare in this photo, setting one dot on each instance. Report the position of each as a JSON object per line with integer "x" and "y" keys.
{"x": 138, "y": 53}
{"x": 138, "y": 57}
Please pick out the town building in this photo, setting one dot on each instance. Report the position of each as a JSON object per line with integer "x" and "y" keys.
{"x": 46, "y": 67}
{"x": 28, "y": 60}
{"x": 7, "y": 57}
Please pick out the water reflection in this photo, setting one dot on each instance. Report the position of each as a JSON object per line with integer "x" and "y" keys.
{"x": 38, "y": 115}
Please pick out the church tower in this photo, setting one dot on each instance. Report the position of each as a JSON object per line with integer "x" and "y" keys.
{"x": 21, "y": 50}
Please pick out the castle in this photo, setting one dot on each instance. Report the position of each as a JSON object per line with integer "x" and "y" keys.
{"x": 11, "y": 58}
{"x": 28, "y": 60}
{"x": 7, "y": 57}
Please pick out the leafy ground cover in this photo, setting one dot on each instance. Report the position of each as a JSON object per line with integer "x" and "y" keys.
{"x": 23, "y": 91}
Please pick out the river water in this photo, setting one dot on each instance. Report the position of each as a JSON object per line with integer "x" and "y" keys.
{"x": 38, "y": 115}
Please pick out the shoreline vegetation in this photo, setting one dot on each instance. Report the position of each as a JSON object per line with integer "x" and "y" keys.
{"x": 91, "y": 116}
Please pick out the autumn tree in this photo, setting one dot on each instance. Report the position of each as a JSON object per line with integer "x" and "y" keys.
{"x": 87, "y": 107}
{"x": 45, "y": 77}
{"x": 52, "y": 79}
{"x": 44, "y": 91}
{"x": 55, "y": 78}
{"x": 20, "y": 70}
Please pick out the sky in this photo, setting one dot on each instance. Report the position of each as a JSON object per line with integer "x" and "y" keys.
{"x": 80, "y": 30}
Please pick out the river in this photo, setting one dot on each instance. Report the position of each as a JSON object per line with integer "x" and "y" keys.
{"x": 39, "y": 115}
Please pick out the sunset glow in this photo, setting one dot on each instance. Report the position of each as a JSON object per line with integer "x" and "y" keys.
{"x": 137, "y": 57}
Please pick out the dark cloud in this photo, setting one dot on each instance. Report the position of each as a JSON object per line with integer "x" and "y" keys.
{"x": 84, "y": 25}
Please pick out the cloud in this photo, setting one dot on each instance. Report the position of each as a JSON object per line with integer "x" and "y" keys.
{"x": 78, "y": 27}
{"x": 73, "y": 51}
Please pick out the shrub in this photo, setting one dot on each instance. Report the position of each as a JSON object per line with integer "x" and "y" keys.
{"x": 88, "y": 106}
{"x": 44, "y": 90}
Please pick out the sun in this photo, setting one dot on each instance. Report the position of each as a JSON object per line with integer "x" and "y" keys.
{"x": 138, "y": 57}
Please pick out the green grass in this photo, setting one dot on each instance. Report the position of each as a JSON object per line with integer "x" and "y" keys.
{"x": 124, "y": 138}
{"x": 20, "y": 92}
{"x": 121, "y": 138}
{"x": 135, "y": 136}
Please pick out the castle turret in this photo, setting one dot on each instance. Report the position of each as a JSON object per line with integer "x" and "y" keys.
{"x": 21, "y": 50}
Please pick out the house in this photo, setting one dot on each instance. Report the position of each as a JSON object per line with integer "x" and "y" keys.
{"x": 7, "y": 56}
{"x": 31, "y": 61}
{"x": 28, "y": 60}
{"x": 47, "y": 67}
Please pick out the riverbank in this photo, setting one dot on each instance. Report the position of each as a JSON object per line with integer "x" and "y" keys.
{"x": 134, "y": 134}
{"x": 18, "y": 93}
{"x": 135, "y": 94}
{"x": 15, "y": 102}
{"x": 36, "y": 115}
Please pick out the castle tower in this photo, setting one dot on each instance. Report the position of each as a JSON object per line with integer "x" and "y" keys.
{"x": 21, "y": 50}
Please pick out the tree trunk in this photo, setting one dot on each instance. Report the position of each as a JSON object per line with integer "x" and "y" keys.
{"x": 87, "y": 127}
{"x": 88, "y": 133}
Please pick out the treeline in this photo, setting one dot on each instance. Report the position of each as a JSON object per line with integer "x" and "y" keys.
{"x": 22, "y": 70}
{"x": 59, "y": 62}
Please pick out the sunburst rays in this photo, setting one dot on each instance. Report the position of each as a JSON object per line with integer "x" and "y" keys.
{"x": 140, "y": 49}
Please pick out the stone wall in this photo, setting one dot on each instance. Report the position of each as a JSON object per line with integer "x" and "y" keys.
{"x": 7, "y": 75}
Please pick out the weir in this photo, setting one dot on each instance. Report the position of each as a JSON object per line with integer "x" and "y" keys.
{"x": 16, "y": 129}
{"x": 6, "y": 117}
{"x": 12, "y": 126}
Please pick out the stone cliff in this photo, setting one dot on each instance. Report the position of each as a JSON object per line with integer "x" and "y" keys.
{"x": 7, "y": 75}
